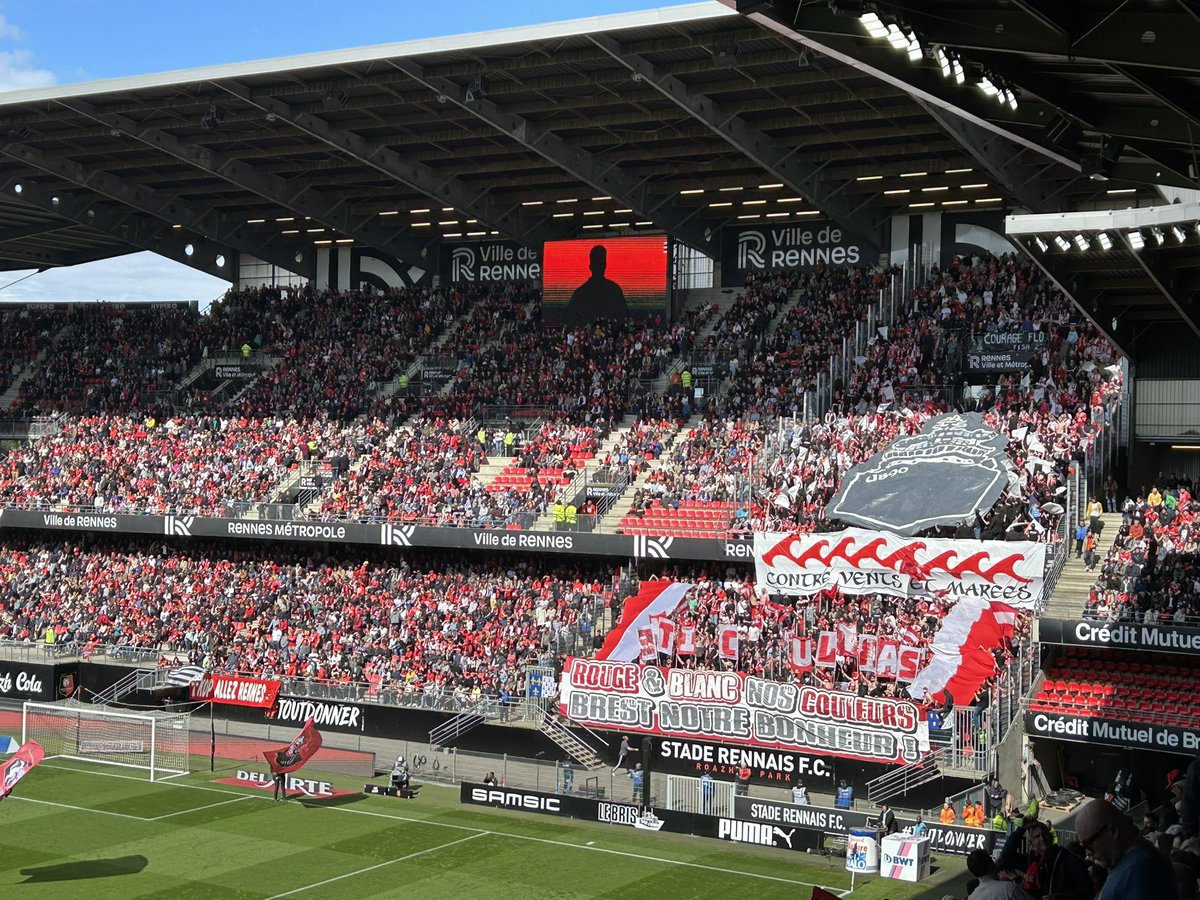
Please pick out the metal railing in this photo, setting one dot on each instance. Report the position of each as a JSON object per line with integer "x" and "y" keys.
{"x": 465, "y": 721}
{"x": 40, "y": 652}
{"x": 709, "y": 797}
{"x": 900, "y": 781}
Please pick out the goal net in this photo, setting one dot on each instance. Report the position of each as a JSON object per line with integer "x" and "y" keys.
{"x": 156, "y": 742}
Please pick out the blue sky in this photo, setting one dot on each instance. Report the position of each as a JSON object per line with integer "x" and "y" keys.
{"x": 49, "y": 42}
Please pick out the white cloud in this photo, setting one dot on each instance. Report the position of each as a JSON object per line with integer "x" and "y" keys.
{"x": 9, "y": 30}
{"x": 137, "y": 277}
{"x": 18, "y": 74}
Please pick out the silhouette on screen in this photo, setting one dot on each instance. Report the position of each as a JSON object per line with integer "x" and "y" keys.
{"x": 598, "y": 297}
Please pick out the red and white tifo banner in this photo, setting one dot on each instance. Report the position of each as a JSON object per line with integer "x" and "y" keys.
{"x": 234, "y": 690}
{"x": 27, "y": 756}
{"x": 735, "y": 708}
{"x": 857, "y": 561}
{"x": 656, "y": 599}
{"x": 297, "y": 753}
{"x": 963, "y": 657}
{"x": 885, "y": 657}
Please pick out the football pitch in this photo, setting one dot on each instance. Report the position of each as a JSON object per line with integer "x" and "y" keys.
{"x": 71, "y": 830}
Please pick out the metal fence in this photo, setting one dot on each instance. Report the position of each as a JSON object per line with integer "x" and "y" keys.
{"x": 37, "y": 652}
{"x": 706, "y": 796}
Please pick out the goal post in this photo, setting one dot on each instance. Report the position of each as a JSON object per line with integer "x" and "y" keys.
{"x": 153, "y": 741}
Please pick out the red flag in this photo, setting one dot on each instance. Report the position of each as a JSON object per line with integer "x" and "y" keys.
{"x": 297, "y": 753}
{"x": 827, "y": 650}
{"x": 664, "y": 634}
{"x": 646, "y": 650}
{"x": 18, "y": 765}
{"x": 847, "y": 639}
{"x": 687, "y": 640}
{"x": 655, "y": 598}
{"x": 868, "y": 645}
{"x": 802, "y": 655}
{"x": 727, "y": 641}
{"x": 887, "y": 659}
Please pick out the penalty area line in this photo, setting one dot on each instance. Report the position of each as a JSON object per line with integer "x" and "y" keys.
{"x": 390, "y": 862}
{"x": 184, "y": 812}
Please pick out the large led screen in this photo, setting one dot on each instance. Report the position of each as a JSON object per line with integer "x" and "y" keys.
{"x": 604, "y": 278}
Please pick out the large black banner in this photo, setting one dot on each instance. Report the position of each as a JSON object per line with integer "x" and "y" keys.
{"x": 1112, "y": 732}
{"x": 488, "y": 262}
{"x": 1004, "y": 352}
{"x": 771, "y": 248}
{"x": 941, "y": 476}
{"x": 1119, "y": 635}
{"x": 390, "y": 535}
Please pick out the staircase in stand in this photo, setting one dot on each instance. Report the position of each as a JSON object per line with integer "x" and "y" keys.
{"x": 452, "y": 729}
{"x": 902, "y": 780}
{"x": 132, "y": 682}
{"x": 589, "y": 468}
{"x": 1075, "y": 583}
{"x": 572, "y": 745}
{"x": 617, "y": 511}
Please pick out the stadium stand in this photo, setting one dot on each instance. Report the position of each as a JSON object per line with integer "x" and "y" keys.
{"x": 1150, "y": 574}
{"x": 1121, "y": 685}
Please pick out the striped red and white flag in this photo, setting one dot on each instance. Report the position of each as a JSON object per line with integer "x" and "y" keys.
{"x": 962, "y": 650}
{"x": 656, "y": 598}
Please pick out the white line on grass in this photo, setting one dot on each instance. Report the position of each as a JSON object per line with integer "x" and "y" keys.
{"x": 642, "y": 857}
{"x": 478, "y": 831}
{"x": 104, "y": 812}
{"x": 193, "y": 809}
{"x": 398, "y": 859}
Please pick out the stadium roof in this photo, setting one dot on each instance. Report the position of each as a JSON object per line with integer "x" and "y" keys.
{"x": 681, "y": 119}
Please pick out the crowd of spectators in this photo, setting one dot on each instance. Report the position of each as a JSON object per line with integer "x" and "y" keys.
{"x": 769, "y": 376}
{"x": 638, "y": 447}
{"x": 1151, "y": 574}
{"x": 335, "y": 350}
{"x": 338, "y": 350}
{"x": 27, "y": 331}
{"x": 592, "y": 374}
{"x": 419, "y": 623}
{"x": 427, "y": 471}
{"x": 910, "y": 372}
{"x": 112, "y": 358}
{"x": 403, "y": 624}
{"x": 192, "y": 465}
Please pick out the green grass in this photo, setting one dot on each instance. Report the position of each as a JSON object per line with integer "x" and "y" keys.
{"x": 77, "y": 831}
